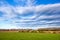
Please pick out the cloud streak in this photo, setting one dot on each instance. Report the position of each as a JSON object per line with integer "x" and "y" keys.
{"x": 31, "y": 16}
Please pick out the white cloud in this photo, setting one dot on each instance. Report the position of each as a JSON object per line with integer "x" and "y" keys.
{"x": 10, "y": 13}
{"x": 27, "y": 2}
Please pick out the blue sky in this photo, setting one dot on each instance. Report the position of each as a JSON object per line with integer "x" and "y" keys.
{"x": 29, "y": 14}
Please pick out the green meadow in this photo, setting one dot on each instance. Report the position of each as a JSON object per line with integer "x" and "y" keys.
{"x": 28, "y": 36}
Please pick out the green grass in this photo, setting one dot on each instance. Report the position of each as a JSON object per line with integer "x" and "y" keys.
{"x": 28, "y": 36}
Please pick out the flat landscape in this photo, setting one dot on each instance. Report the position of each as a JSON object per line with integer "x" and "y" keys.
{"x": 28, "y": 36}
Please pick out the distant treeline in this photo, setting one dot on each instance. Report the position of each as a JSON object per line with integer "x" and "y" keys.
{"x": 41, "y": 30}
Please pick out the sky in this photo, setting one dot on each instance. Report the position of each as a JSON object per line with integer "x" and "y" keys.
{"x": 29, "y": 14}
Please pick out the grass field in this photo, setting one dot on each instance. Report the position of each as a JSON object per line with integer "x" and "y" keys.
{"x": 28, "y": 36}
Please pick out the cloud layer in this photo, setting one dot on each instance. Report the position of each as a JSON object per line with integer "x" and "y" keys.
{"x": 30, "y": 16}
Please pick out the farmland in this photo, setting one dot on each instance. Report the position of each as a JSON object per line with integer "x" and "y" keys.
{"x": 28, "y": 36}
